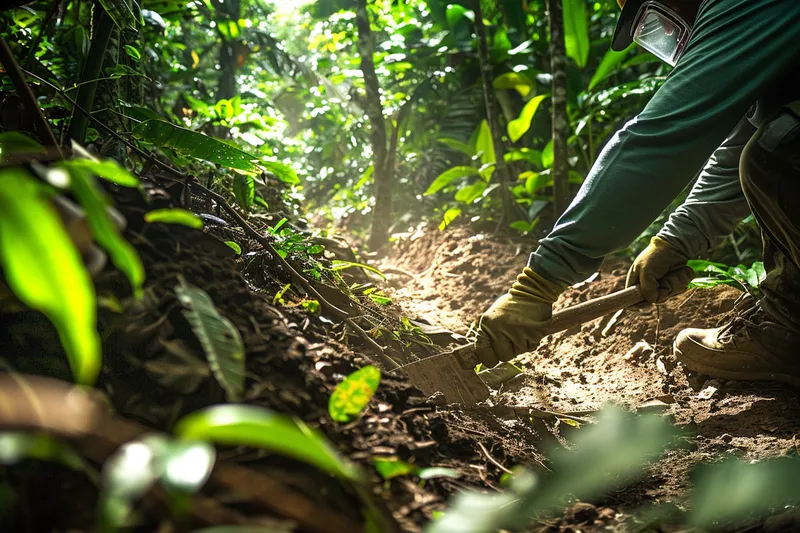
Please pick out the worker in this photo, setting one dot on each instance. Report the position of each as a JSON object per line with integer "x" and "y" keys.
{"x": 727, "y": 114}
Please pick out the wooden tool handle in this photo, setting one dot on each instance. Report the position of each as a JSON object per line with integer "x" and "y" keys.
{"x": 578, "y": 314}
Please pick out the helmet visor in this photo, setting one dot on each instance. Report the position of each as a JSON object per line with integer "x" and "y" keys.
{"x": 661, "y": 31}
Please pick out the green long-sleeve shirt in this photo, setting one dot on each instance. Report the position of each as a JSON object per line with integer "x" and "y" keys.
{"x": 740, "y": 52}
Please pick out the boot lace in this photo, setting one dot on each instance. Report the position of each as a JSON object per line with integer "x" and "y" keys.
{"x": 741, "y": 326}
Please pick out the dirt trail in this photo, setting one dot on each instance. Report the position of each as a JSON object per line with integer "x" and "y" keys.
{"x": 625, "y": 359}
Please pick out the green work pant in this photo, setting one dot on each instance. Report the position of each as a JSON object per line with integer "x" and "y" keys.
{"x": 770, "y": 177}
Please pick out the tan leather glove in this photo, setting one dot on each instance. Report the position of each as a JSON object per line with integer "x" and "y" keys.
{"x": 512, "y": 324}
{"x": 661, "y": 271}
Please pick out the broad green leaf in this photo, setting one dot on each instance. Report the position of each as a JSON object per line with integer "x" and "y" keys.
{"x": 220, "y": 339}
{"x": 605, "y": 455}
{"x": 341, "y": 265}
{"x": 607, "y": 66}
{"x": 380, "y": 298}
{"x": 576, "y": 31}
{"x": 285, "y": 173}
{"x": 751, "y": 490}
{"x": 515, "y": 80}
{"x": 126, "y": 14}
{"x": 392, "y": 467}
{"x": 12, "y": 142}
{"x": 105, "y": 231}
{"x": 244, "y": 190}
{"x": 352, "y": 395}
{"x": 449, "y": 176}
{"x": 484, "y": 144}
{"x": 454, "y": 13}
{"x": 235, "y": 247}
{"x": 455, "y": 144}
{"x": 14, "y": 447}
{"x": 524, "y": 154}
{"x": 245, "y": 425}
{"x": 108, "y": 169}
{"x": 449, "y": 216}
{"x": 470, "y": 193}
{"x": 520, "y": 125}
{"x": 45, "y": 271}
{"x": 194, "y": 144}
{"x": 174, "y": 215}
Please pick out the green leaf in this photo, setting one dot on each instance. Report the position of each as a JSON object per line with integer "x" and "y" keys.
{"x": 515, "y": 80}
{"x": 285, "y": 173}
{"x": 245, "y": 425}
{"x": 44, "y": 270}
{"x": 547, "y": 154}
{"x": 108, "y": 169}
{"x": 125, "y": 13}
{"x": 181, "y": 467}
{"x": 105, "y": 230}
{"x": 220, "y": 339}
{"x": 449, "y": 176}
{"x": 470, "y": 193}
{"x": 14, "y": 447}
{"x": 454, "y": 14}
{"x": 244, "y": 190}
{"x": 448, "y": 217}
{"x": 235, "y": 247}
{"x": 751, "y": 491}
{"x": 133, "y": 52}
{"x": 392, "y": 467}
{"x": 12, "y": 142}
{"x": 341, "y": 265}
{"x": 455, "y": 144}
{"x": 174, "y": 215}
{"x": 520, "y": 125}
{"x": 607, "y": 65}
{"x": 380, "y": 298}
{"x": 352, "y": 395}
{"x": 484, "y": 144}
{"x": 576, "y": 31}
{"x": 194, "y": 144}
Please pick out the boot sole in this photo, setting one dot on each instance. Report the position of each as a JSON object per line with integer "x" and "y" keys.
{"x": 788, "y": 379}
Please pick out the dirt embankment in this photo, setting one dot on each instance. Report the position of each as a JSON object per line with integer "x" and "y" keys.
{"x": 452, "y": 277}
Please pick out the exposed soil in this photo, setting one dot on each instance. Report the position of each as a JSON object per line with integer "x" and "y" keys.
{"x": 452, "y": 277}
{"x": 155, "y": 372}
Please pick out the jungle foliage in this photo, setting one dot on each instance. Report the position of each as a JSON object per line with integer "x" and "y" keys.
{"x": 364, "y": 115}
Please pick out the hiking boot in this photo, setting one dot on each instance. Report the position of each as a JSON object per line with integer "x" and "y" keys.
{"x": 750, "y": 347}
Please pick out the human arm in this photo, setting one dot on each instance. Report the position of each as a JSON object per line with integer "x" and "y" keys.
{"x": 739, "y": 49}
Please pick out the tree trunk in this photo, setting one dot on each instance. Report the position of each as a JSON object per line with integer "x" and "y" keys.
{"x": 558, "y": 66}
{"x": 92, "y": 70}
{"x": 228, "y": 56}
{"x": 487, "y": 77}
{"x": 383, "y": 167}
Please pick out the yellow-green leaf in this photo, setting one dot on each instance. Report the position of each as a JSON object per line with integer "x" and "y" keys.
{"x": 105, "y": 232}
{"x": 45, "y": 271}
{"x": 520, "y": 125}
{"x": 174, "y": 215}
{"x": 449, "y": 216}
{"x": 353, "y": 394}
{"x": 515, "y": 80}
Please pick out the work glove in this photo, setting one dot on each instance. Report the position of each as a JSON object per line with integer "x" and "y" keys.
{"x": 660, "y": 271}
{"x": 512, "y": 325}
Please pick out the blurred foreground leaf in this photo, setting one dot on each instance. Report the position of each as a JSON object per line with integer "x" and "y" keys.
{"x": 45, "y": 271}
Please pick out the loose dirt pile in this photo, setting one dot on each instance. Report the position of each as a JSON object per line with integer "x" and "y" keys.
{"x": 624, "y": 359}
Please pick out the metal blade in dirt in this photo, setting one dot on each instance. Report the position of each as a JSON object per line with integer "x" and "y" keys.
{"x": 451, "y": 373}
